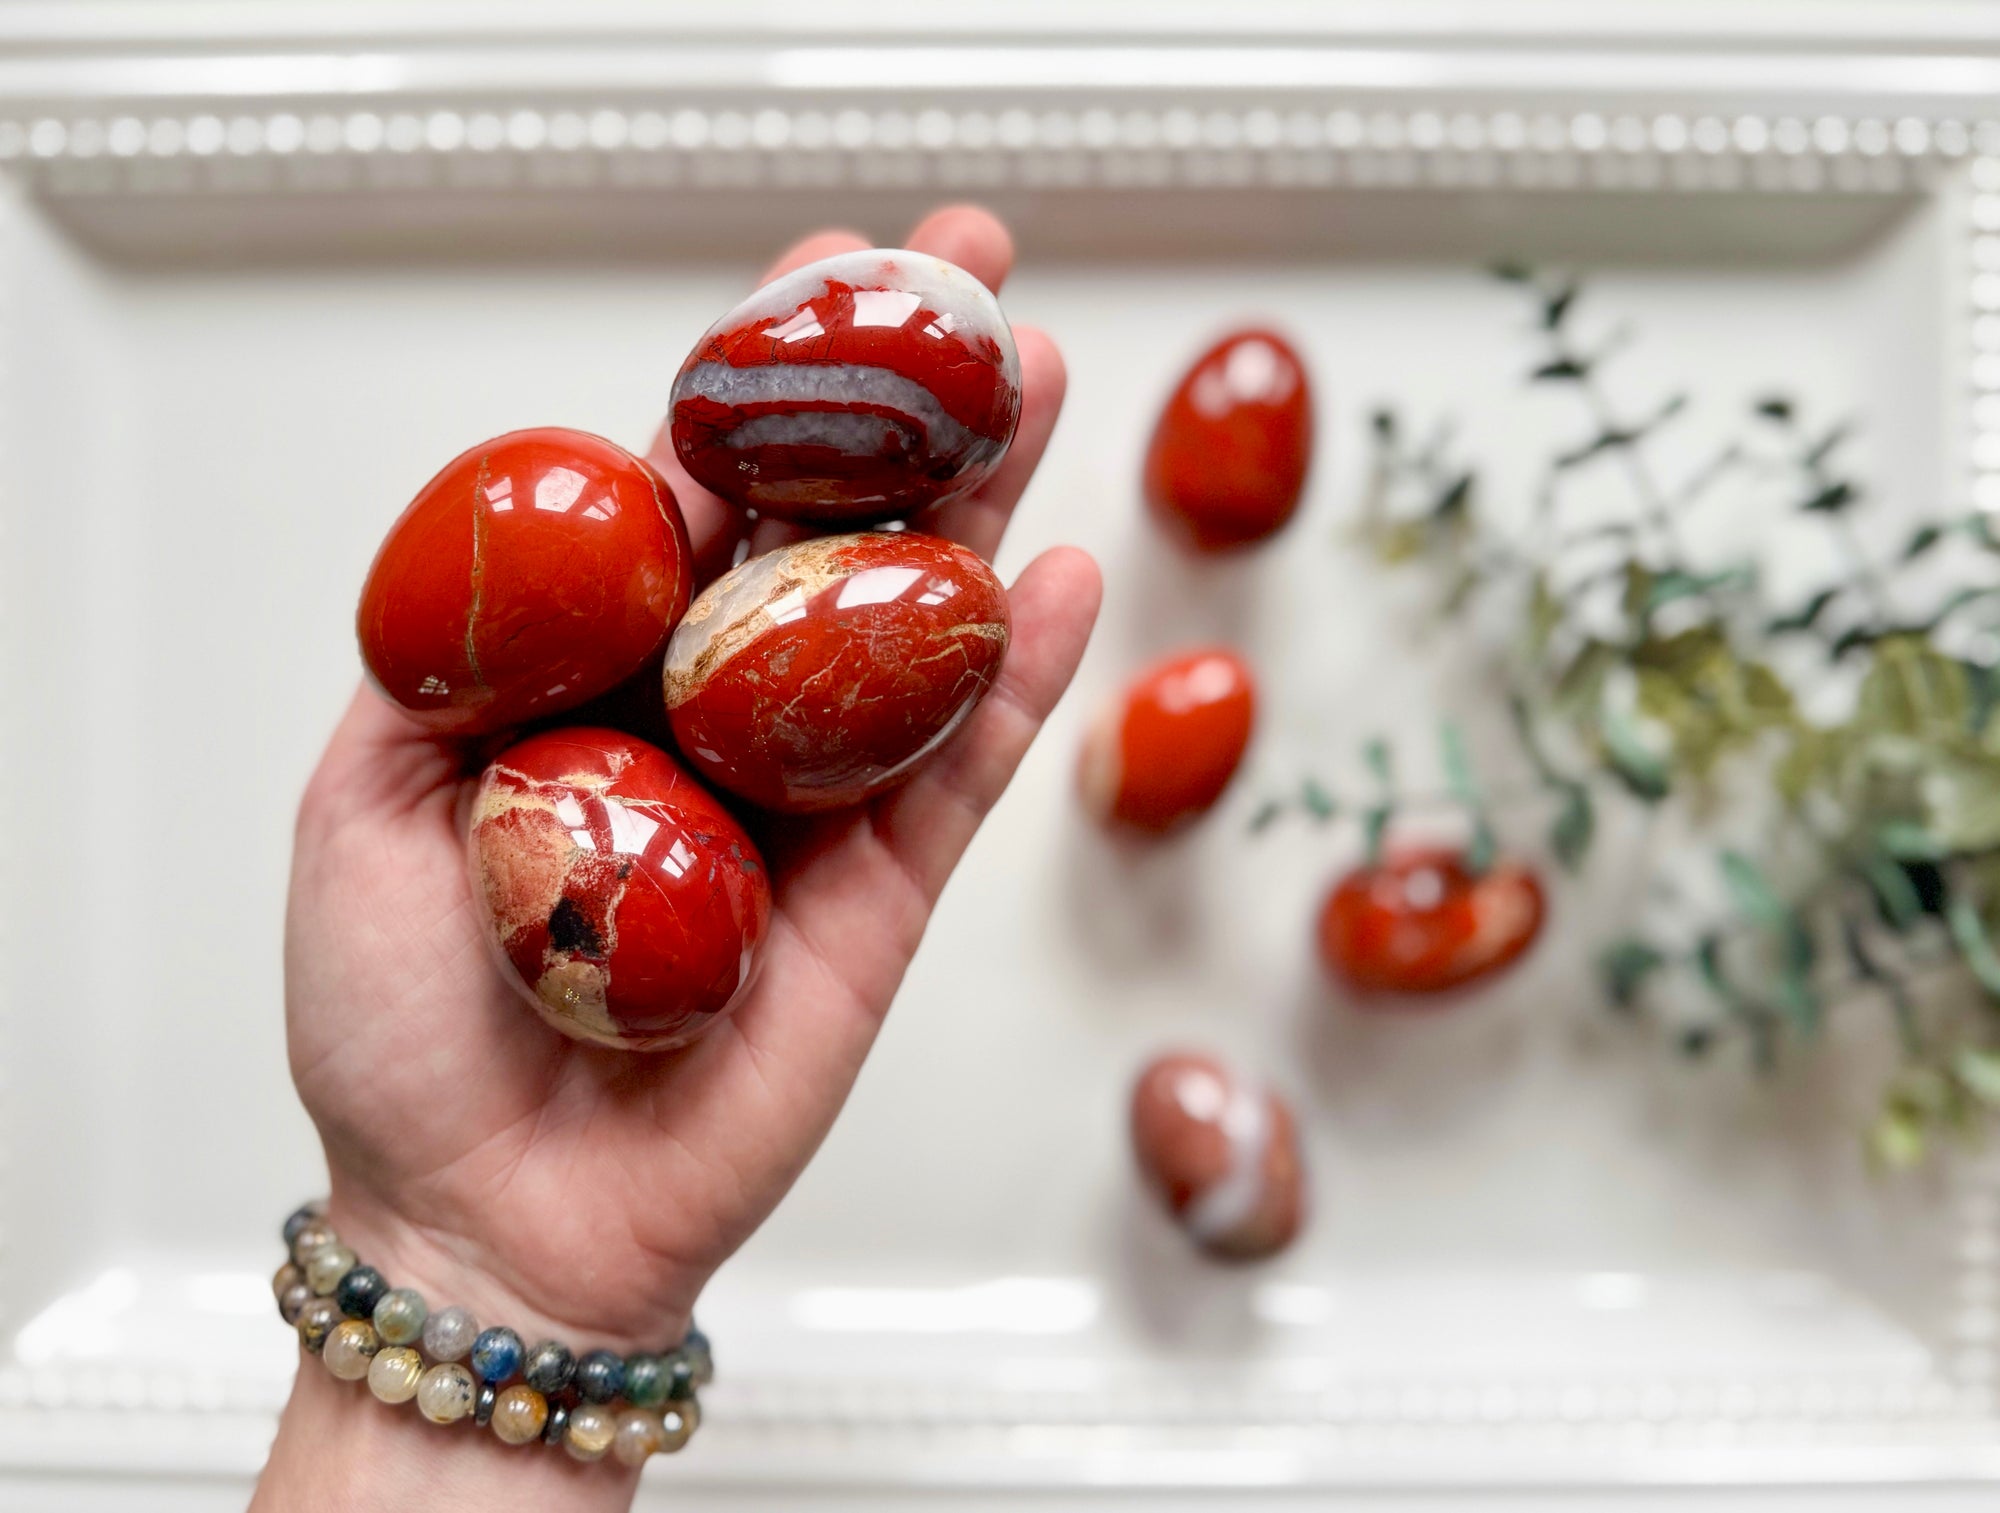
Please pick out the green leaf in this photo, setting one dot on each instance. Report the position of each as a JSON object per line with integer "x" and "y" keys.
{"x": 1556, "y": 307}
{"x": 1383, "y": 423}
{"x": 1380, "y": 760}
{"x": 1632, "y": 762}
{"x": 1574, "y": 826}
{"x": 1912, "y": 689}
{"x": 1375, "y": 827}
{"x": 1625, "y": 965}
{"x": 1563, "y": 368}
{"x": 1807, "y": 616}
{"x": 1758, "y": 902}
{"x": 1266, "y": 816}
{"x": 1452, "y": 502}
{"x": 1908, "y": 841}
{"x": 1820, "y": 450}
{"x": 1897, "y": 1139}
{"x": 1511, "y": 272}
{"x": 1483, "y": 848}
{"x": 1922, "y": 540}
{"x": 1319, "y": 803}
{"x": 1777, "y": 408}
{"x": 1457, "y": 765}
{"x": 1901, "y": 904}
{"x": 1675, "y": 584}
{"x": 1831, "y": 499}
{"x": 1978, "y": 1071}
{"x": 1975, "y": 947}
{"x": 1754, "y": 897}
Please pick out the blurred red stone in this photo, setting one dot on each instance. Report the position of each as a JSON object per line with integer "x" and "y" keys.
{"x": 1221, "y": 1156}
{"x": 626, "y": 904}
{"x": 1166, "y": 749}
{"x": 1418, "y": 922}
{"x": 861, "y": 388}
{"x": 1230, "y": 453}
{"x": 823, "y": 673}
{"x": 535, "y": 572}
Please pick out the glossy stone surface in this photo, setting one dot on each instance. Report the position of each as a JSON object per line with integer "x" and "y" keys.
{"x": 297, "y": 1220}
{"x": 592, "y": 1427}
{"x": 646, "y": 1380}
{"x": 449, "y": 1334}
{"x": 1231, "y": 450}
{"x": 824, "y": 673}
{"x": 519, "y": 1415}
{"x": 638, "y": 1436}
{"x": 1221, "y": 1154}
{"x": 445, "y": 1393}
{"x": 536, "y": 571}
{"x": 600, "y": 1376}
{"x": 285, "y": 1278}
{"x": 861, "y": 388}
{"x": 557, "y": 1428}
{"x": 482, "y": 1404}
{"x": 360, "y": 1291}
{"x": 496, "y": 1354}
{"x": 350, "y": 1347}
{"x": 701, "y": 1354}
{"x": 1419, "y": 923}
{"x": 315, "y": 1322}
{"x": 292, "y": 1302}
{"x": 326, "y": 1266}
{"x": 627, "y": 905}
{"x": 549, "y": 1367}
{"x": 395, "y": 1374}
{"x": 314, "y": 1234}
{"x": 400, "y": 1315}
{"x": 1164, "y": 750}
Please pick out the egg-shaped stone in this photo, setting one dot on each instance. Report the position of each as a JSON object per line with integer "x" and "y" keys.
{"x": 824, "y": 673}
{"x": 533, "y": 573}
{"x": 861, "y": 388}
{"x": 1421, "y": 922}
{"x": 1163, "y": 751}
{"x": 1220, "y": 1153}
{"x": 625, "y": 904}
{"x": 1230, "y": 453}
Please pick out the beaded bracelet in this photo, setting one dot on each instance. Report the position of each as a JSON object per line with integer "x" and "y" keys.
{"x": 348, "y": 1315}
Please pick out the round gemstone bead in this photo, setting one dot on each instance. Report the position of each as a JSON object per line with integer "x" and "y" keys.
{"x": 496, "y": 1354}
{"x": 645, "y": 1381}
{"x": 680, "y": 1375}
{"x": 702, "y": 1354}
{"x": 678, "y": 1421}
{"x": 445, "y": 1393}
{"x": 449, "y": 1334}
{"x": 400, "y": 1315}
{"x": 519, "y": 1415}
{"x": 285, "y": 1278}
{"x": 639, "y": 1435}
{"x": 558, "y": 1424}
{"x": 359, "y": 1291}
{"x": 600, "y": 1376}
{"x": 317, "y": 1316}
{"x": 326, "y": 1266}
{"x": 313, "y": 1235}
{"x": 394, "y": 1374}
{"x": 292, "y": 1302}
{"x": 350, "y": 1348}
{"x": 482, "y": 1405}
{"x": 298, "y": 1220}
{"x": 549, "y": 1367}
{"x": 591, "y": 1431}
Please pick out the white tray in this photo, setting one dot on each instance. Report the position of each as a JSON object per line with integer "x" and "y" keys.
{"x": 238, "y": 330}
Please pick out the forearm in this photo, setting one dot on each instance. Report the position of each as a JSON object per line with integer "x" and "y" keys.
{"x": 339, "y": 1450}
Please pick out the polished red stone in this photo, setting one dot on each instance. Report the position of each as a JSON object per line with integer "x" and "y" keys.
{"x": 1165, "y": 750}
{"x": 1418, "y": 922}
{"x": 861, "y": 388}
{"x": 626, "y": 904}
{"x": 1222, "y": 1156}
{"x": 822, "y": 674}
{"x": 1229, "y": 456}
{"x": 535, "y": 572}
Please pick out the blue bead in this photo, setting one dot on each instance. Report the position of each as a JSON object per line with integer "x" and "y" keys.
{"x": 600, "y": 1376}
{"x": 496, "y": 1354}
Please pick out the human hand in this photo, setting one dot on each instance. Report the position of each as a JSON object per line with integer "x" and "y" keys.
{"x": 587, "y": 1194}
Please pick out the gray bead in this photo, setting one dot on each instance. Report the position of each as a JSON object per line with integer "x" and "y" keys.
{"x": 449, "y": 1333}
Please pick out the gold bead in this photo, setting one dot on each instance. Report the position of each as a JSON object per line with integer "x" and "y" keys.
{"x": 394, "y": 1373}
{"x": 316, "y": 1321}
{"x": 350, "y": 1348}
{"x": 446, "y": 1393}
{"x": 314, "y": 1236}
{"x": 591, "y": 1431}
{"x": 285, "y": 1279}
{"x": 326, "y": 1266}
{"x": 519, "y": 1415}
{"x": 639, "y": 1435}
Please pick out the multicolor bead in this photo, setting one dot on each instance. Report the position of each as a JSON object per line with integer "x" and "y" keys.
{"x": 395, "y": 1373}
{"x": 680, "y": 1375}
{"x": 315, "y": 1322}
{"x": 519, "y": 1415}
{"x": 640, "y": 1434}
{"x": 645, "y": 1381}
{"x": 359, "y": 1291}
{"x": 292, "y": 1302}
{"x": 600, "y": 1376}
{"x": 309, "y": 1237}
{"x": 591, "y": 1431}
{"x": 449, "y": 1334}
{"x": 326, "y": 1266}
{"x": 549, "y": 1367}
{"x": 678, "y": 1421}
{"x": 285, "y": 1278}
{"x": 350, "y": 1348}
{"x": 298, "y": 1220}
{"x": 702, "y": 1354}
{"x": 496, "y": 1354}
{"x": 400, "y": 1315}
{"x": 445, "y": 1393}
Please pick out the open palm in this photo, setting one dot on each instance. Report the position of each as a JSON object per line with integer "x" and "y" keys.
{"x": 559, "y": 1187}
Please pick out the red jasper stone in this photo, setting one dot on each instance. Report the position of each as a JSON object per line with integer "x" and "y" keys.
{"x": 1229, "y": 456}
{"x": 1165, "y": 750}
{"x": 625, "y": 903}
{"x": 535, "y": 572}
{"x": 1220, "y": 1154}
{"x": 860, "y": 388}
{"x": 1419, "y": 922}
{"x": 822, "y": 674}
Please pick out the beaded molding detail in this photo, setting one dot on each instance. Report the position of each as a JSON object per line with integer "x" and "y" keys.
{"x": 973, "y": 149}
